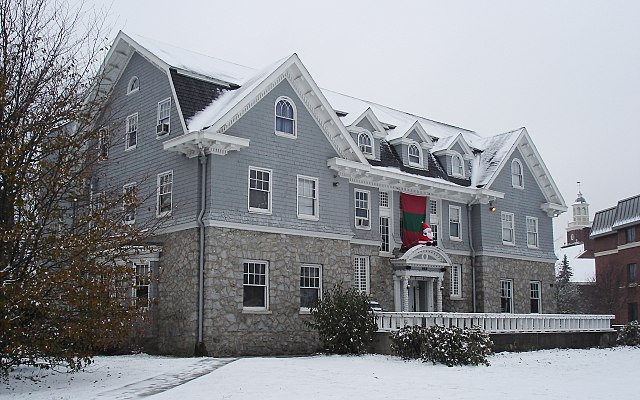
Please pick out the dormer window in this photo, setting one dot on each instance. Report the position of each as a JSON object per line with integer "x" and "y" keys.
{"x": 517, "y": 180}
{"x": 365, "y": 144}
{"x": 285, "y": 117}
{"x": 415, "y": 155}
{"x": 457, "y": 166}
{"x": 134, "y": 85}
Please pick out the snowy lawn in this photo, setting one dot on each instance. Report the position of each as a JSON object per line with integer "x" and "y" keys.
{"x": 549, "y": 374}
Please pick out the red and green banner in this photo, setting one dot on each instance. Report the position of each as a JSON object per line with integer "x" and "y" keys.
{"x": 414, "y": 226}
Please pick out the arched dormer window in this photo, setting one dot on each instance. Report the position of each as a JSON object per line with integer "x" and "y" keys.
{"x": 365, "y": 144}
{"x": 457, "y": 166}
{"x": 415, "y": 155}
{"x": 285, "y": 117}
{"x": 517, "y": 180}
{"x": 134, "y": 85}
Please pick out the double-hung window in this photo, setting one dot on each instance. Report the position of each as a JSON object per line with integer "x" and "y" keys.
{"x": 434, "y": 220}
{"x": 415, "y": 155}
{"x": 506, "y": 295}
{"x": 455, "y": 286}
{"x": 455, "y": 231}
{"x": 365, "y": 144}
{"x": 260, "y": 190}
{"x": 362, "y": 209}
{"x": 385, "y": 222}
{"x": 142, "y": 283}
{"x": 255, "y": 286}
{"x": 508, "y": 232}
{"x": 164, "y": 117}
{"x": 285, "y": 117}
{"x": 129, "y": 203}
{"x": 310, "y": 286}
{"x": 131, "y": 137}
{"x": 630, "y": 234}
{"x": 361, "y": 273}
{"x": 164, "y": 193}
{"x": 536, "y": 298}
{"x": 308, "y": 198}
{"x": 517, "y": 178}
{"x": 532, "y": 232}
{"x": 457, "y": 165}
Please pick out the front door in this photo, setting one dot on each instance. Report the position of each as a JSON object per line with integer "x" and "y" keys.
{"x": 421, "y": 295}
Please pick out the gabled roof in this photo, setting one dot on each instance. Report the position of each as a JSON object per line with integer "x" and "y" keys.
{"x": 446, "y": 144}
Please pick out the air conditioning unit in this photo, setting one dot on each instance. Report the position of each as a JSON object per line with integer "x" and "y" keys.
{"x": 162, "y": 129}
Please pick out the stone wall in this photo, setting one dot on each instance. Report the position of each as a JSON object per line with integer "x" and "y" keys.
{"x": 490, "y": 270}
{"x": 175, "y": 312}
{"x": 465, "y": 303}
{"x": 230, "y": 330}
{"x": 381, "y": 275}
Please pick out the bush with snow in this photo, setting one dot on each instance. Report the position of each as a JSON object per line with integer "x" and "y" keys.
{"x": 439, "y": 344}
{"x": 344, "y": 321}
{"x": 629, "y": 335}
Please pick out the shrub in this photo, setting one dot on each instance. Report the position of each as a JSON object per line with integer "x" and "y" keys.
{"x": 629, "y": 335}
{"x": 439, "y": 344}
{"x": 344, "y": 321}
{"x": 409, "y": 342}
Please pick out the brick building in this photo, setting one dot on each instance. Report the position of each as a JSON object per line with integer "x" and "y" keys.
{"x": 615, "y": 233}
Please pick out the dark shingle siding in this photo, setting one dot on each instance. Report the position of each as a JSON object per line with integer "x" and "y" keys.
{"x": 194, "y": 94}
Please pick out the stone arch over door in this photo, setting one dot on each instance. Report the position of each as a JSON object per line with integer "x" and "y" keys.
{"x": 424, "y": 264}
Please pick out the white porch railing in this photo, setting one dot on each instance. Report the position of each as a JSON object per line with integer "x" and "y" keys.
{"x": 497, "y": 323}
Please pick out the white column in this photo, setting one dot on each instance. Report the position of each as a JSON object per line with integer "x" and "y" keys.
{"x": 429, "y": 294}
{"x": 405, "y": 293}
{"x": 439, "y": 295}
{"x": 397, "y": 294}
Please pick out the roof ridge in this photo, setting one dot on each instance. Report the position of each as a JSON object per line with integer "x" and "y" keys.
{"x": 400, "y": 111}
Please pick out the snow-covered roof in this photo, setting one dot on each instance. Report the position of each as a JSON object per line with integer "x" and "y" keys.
{"x": 220, "y": 106}
{"x": 197, "y": 63}
{"x": 494, "y": 150}
{"x": 584, "y": 269}
{"x": 625, "y": 213}
{"x": 399, "y": 120}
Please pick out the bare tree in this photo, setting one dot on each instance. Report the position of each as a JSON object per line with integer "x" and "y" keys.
{"x": 63, "y": 285}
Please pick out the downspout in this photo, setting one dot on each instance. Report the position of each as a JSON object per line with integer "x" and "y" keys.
{"x": 200, "y": 349}
{"x": 473, "y": 258}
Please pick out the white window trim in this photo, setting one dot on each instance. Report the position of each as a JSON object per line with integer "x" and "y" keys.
{"x": 385, "y": 212}
{"x": 126, "y": 135}
{"x": 366, "y": 272}
{"x": 129, "y": 91}
{"x": 511, "y": 293}
{"x": 259, "y": 210}
{"x": 513, "y": 228}
{"x": 521, "y": 175}
{"x": 455, "y": 286}
{"x": 461, "y": 161}
{"x": 266, "y": 287}
{"x": 295, "y": 118}
{"x": 306, "y": 310}
{"x": 456, "y": 238}
{"x": 316, "y": 208}
{"x": 164, "y": 213}
{"x": 168, "y": 119}
{"x": 539, "y": 296}
{"x": 356, "y": 218}
{"x": 390, "y": 247}
{"x": 372, "y": 154}
{"x": 536, "y": 245}
{"x": 420, "y": 163}
{"x": 124, "y": 203}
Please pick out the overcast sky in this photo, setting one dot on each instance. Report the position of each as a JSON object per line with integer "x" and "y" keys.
{"x": 568, "y": 71}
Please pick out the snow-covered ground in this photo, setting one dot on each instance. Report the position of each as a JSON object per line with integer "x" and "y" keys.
{"x": 549, "y": 374}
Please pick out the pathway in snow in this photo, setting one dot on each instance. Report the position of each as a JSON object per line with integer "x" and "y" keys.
{"x": 164, "y": 382}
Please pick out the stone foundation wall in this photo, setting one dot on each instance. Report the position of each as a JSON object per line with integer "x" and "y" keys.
{"x": 228, "y": 329}
{"x": 490, "y": 270}
{"x": 465, "y": 303}
{"x": 175, "y": 313}
{"x": 381, "y": 275}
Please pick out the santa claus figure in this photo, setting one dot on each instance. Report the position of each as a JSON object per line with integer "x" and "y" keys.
{"x": 427, "y": 233}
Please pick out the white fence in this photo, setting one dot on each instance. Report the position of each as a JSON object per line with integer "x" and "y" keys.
{"x": 497, "y": 323}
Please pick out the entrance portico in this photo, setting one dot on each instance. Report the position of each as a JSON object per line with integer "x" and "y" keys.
{"x": 418, "y": 279}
